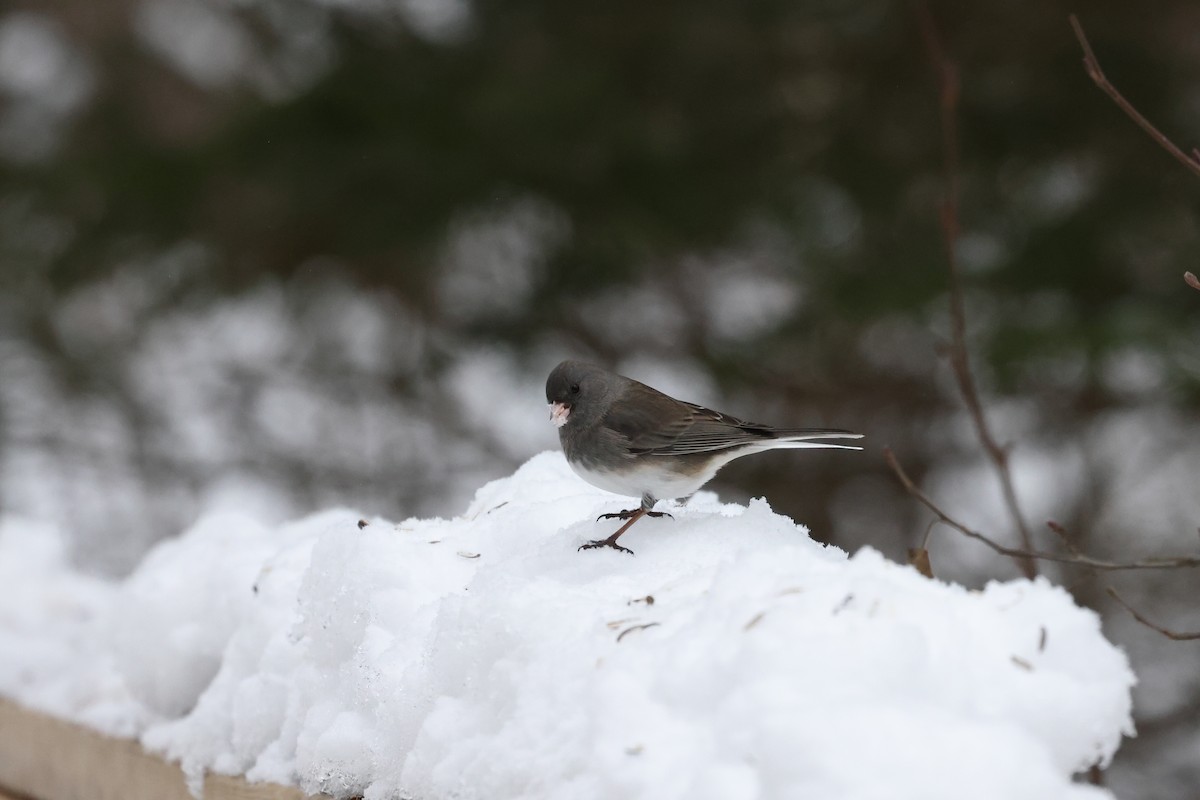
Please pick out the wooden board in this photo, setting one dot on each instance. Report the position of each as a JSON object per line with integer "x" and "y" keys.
{"x": 45, "y": 758}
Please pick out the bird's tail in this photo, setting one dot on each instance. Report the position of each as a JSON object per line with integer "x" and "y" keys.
{"x": 812, "y": 438}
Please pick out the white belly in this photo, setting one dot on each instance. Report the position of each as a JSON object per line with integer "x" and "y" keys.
{"x": 649, "y": 477}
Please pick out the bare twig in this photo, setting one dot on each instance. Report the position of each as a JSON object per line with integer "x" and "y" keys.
{"x": 1063, "y": 536}
{"x": 1192, "y": 162}
{"x": 1167, "y": 632}
{"x": 1074, "y": 558}
{"x": 1092, "y": 66}
{"x": 960, "y": 362}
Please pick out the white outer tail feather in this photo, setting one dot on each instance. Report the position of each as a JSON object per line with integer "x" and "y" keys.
{"x": 812, "y": 442}
{"x": 804, "y": 444}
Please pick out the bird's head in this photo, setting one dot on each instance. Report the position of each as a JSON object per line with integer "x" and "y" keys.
{"x": 577, "y": 391}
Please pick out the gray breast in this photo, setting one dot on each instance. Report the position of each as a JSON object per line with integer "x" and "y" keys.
{"x": 595, "y": 448}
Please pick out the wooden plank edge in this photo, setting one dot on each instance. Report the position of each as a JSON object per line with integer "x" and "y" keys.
{"x": 46, "y": 758}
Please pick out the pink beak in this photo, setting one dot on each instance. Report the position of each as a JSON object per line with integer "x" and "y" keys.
{"x": 558, "y": 414}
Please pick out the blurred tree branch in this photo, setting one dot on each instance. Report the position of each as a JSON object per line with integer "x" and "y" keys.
{"x": 948, "y": 92}
{"x": 1170, "y": 634}
{"x": 1192, "y": 162}
{"x": 1073, "y": 557}
{"x": 1025, "y": 555}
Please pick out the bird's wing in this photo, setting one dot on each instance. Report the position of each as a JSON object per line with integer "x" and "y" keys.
{"x": 652, "y": 423}
{"x": 741, "y": 430}
{"x": 645, "y": 419}
{"x": 711, "y": 430}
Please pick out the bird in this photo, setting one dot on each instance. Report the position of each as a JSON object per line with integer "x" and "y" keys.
{"x": 627, "y": 438}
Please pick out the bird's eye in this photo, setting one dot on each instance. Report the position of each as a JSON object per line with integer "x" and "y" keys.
{"x": 574, "y": 388}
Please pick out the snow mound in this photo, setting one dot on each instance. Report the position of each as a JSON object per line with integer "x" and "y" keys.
{"x": 484, "y": 657}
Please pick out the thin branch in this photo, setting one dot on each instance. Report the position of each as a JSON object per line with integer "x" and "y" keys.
{"x": 948, "y": 88}
{"x": 1092, "y": 66}
{"x": 1167, "y": 632}
{"x": 1063, "y": 536}
{"x": 1075, "y": 558}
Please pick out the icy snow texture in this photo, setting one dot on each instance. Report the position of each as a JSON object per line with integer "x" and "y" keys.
{"x": 484, "y": 657}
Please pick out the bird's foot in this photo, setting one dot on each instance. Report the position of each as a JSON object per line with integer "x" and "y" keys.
{"x": 609, "y": 542}
{"x": 629, "y": 514}
{"x": 630, "y": 517}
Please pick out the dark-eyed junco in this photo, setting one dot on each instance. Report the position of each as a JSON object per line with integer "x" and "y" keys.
{"x": 624, "y": 437}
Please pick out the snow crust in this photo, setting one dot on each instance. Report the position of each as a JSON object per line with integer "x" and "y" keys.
{"x": 484, "y": 657}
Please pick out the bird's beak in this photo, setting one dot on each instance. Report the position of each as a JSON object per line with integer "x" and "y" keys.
{"x": 559, "y": 413}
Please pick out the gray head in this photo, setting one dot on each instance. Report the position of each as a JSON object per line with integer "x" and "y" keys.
{"x": 579, "y": 393}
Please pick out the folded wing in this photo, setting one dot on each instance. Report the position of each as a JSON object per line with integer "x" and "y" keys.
{"x": 656, "y": 424}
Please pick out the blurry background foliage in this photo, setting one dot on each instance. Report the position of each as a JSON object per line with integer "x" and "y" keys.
{"x": 271, "y": 256}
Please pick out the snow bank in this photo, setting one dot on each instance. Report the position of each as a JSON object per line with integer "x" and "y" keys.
{"x": 484, "y": 657}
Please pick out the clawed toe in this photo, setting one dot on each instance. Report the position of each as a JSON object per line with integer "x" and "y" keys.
{"x": 598, "y": 543}
{"x": 619, "y": 514}
{"x": 629, "y": 514}
{"x": 630, "y": 517}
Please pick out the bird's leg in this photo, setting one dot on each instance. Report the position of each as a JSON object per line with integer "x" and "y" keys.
{"x": 633, "y": 512}
{"x": 647, "y": 504}
{"x": 633, "y": 516}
